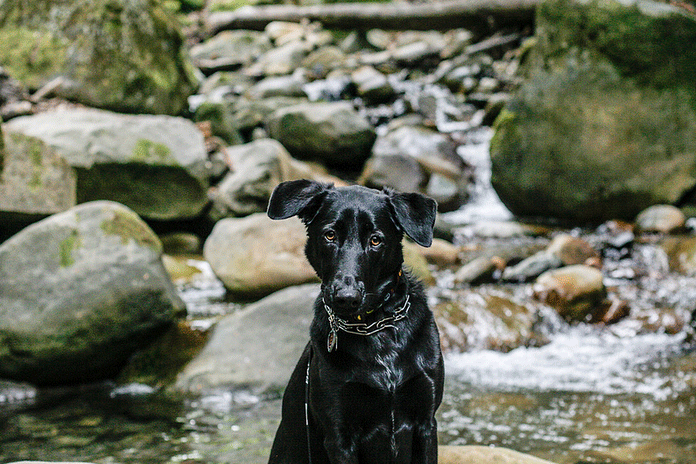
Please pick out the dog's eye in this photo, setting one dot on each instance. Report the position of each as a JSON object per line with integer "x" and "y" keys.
{"x": 375, "y": 240}
{"x": 330, "y": 235}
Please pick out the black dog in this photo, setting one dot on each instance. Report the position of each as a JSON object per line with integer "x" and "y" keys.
{"x": 370, "y": 380}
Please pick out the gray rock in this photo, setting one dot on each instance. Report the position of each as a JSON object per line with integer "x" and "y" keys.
{"x": 415, "y": 158}
{"x": 278, "y": 86}
{"x": 120, "y": 55}
{"x": 230, "y": 49}
{"x": 259, "y": 167}
{"x": 333, "y": 133}
{"x": 255, "y": 256}
{"x": 153, "y": 164}
{"x": 610, "y": 92}
{"x": 279, "y": 61}
{"x": 372, "y": 85}
{"x": 255, "y": 348}
{"x": 81, "y": 291}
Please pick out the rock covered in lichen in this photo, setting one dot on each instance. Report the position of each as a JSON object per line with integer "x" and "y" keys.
{"x": 120, "y": 55}
{"x": 79, "y": 292}
{"x": 155, "y": 165}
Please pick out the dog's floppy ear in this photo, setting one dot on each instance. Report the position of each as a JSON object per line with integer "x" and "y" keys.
{"x": 415, "y": 215}
{"x": 296, "y": 197}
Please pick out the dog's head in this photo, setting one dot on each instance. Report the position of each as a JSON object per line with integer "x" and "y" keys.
{"x": 354, "y": 237}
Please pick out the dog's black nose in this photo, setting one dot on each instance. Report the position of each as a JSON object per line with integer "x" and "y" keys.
{"x": 347, "y": 299}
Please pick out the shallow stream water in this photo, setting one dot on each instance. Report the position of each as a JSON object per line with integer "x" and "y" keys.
{"x": 614, "y": 394}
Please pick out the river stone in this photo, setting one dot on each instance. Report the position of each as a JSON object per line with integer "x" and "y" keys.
{"x": 255, "y": 348}
{"x": 259, "y": 167}
{"x": 661, "y": 218}
{"x": 230, "y": 49}
{"x": 155, "y": 165}
{"x": 255, "y": 256}
{"x": 609, "y": 92}
{"x": 486, "y": 319}
{"x": 484, "y": 455}
{"x": 574, "y": 291}
{"x": 80, "y": 292}
{"x": 412, "y": 158}
{"x": 123, "y": 55}
{"x": 333, "y": 133}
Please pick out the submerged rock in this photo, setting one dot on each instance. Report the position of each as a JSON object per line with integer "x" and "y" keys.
{"x": 80, "y": 292}
{"x": 661, "y": 218}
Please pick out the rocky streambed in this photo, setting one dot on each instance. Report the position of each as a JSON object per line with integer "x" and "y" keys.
{"x": 568, "y": 392}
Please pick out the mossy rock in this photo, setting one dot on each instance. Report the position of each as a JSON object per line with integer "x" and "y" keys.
{"x": 604, "y": 124}
{"x": 121, "y": 55}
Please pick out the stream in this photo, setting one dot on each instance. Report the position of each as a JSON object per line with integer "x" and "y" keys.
{"x": 616, "y": 394}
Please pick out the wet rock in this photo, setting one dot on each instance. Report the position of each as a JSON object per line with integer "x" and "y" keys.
{"x": 661, "y": 218}
{"x": 574, "y": 291}
{"x": 531, "y": 267}
{"x": 484, "y": 455}
{"x": 333, "y": 133}
{"x": 120, "y": 55}
{"x": 572, "y": 250}
{"x": 258, "y": 167}
{"x": 681, "y": 252}
{"x": 279, "y": 86}
{"x": 372, "y": 85}
{"x": 229, "y": 50}
{"x": 479, "y": 270}
{"x": 486, "y": 318}
{"x": 80, "y": 292}
{"x": 321, "y": 61}
{"x": 592, "y": 80}
{"x": 564, "y": 250}
{"x": 255, "y": 348}
{"x": 155, "y": 165}
{"x": 280, "y": 60}
{"x": 392, "y": 165}
{"x": 441, "y": 253}
{"x": 255, "y": 256}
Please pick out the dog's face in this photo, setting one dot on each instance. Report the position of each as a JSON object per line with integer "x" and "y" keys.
{"x": 354, "y": 237}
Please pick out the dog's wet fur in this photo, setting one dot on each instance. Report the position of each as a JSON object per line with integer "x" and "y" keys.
{"x": 370, "y": 399}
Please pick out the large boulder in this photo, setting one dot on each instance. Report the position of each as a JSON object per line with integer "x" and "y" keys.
{"x": 603, "y": 125}
{"x": 115, "y": 54}
{"x": 333, "y": 133}
{"x": 153, "y": 164}
{"x": 80, "y": 292}
{"x": 255, "y": 348}
{"x": 255, "y": 256}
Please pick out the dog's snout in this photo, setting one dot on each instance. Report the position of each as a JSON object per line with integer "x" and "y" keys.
{"x": 347, "y": 294}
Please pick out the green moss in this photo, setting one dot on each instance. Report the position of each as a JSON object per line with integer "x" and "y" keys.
{"x": 147, "y": 151}
{"x": 66, "y": 248}
{"x": 30, "y": 56}
{"x": 127, "y": 225}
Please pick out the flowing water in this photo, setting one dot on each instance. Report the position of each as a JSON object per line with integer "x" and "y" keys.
{"x": 614, "y": 394}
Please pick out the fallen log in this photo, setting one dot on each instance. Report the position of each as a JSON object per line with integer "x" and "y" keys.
{"x": 479, "y": 16}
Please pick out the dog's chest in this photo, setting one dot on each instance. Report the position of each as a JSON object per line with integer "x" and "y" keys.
{"x": 388, "y": 371}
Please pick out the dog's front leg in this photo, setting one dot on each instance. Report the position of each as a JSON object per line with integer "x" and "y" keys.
{"x": 425, "y": 444}
{"x": 341, "y": 449}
